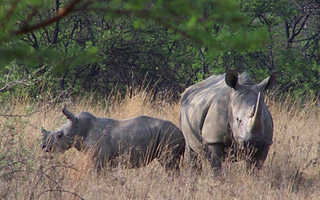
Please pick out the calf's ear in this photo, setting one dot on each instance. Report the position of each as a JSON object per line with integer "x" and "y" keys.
{"x": 44, "y": 131}
{"x": 69, "y": 114}
{"x": 268, "y": 83}
{"x": 231, "y": 78}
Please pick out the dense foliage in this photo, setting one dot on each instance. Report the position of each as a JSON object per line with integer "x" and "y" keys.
{"x": 70, "y": 47}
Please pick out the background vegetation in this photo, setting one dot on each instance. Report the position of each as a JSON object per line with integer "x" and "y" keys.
{"x": 74, "y": 47}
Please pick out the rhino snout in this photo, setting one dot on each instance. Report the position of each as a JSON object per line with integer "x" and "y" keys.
{"x": 255, "y": 143}
{"x": 45, "y": 148}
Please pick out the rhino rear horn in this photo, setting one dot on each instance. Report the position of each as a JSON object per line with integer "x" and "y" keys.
{"x": 69, "y": 114}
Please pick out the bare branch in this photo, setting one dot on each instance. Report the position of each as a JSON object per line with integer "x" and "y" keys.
{"x": 26, "y": 115}
{"x": 13, "y": 83}
{"x": 13, "y": 163}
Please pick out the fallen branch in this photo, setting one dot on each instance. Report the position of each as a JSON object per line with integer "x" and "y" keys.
{"x": 65, "y": 191}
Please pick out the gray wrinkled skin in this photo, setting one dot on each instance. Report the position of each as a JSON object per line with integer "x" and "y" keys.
{"x": 227, "y": 112}
{"x": 140, "y": 139}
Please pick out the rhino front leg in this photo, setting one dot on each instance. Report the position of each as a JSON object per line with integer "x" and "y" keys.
{"x": 258, "y": 159}
{"x": 215, "y": 154}
{"x": 99, "y": 164}
{"x": 192, "y": 158}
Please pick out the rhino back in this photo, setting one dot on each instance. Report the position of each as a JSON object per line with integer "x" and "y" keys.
{"x": 199, "y": 87}
{"x": 140, "y": 138}
{"x": 149, "y": 132}
{"x": 136, "y": 135}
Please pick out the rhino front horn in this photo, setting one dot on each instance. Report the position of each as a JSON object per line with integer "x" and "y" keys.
{"x": 256, "y": 119}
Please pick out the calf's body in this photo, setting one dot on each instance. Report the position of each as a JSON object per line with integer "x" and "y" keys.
{"x": 139, "y": 140}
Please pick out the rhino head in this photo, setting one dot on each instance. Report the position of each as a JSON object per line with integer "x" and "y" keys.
{"x": 63, "y": 138}
{"x": 248, "y": 116}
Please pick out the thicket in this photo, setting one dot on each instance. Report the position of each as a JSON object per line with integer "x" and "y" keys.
{"x": 67, "y": 48}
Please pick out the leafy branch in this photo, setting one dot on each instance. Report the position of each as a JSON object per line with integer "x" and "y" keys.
{"x": 75, "y": 6}
{"x": 63, "y": 12}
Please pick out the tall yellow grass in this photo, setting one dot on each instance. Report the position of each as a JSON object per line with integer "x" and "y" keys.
{"x": 291, "y": 171}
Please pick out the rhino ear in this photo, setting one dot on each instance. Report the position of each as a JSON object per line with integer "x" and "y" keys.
{"x": 44, "y": 131}
{"x": 231, "y": 78}
{"x": 268, "y": 83}
{"x": 69, "y": 114}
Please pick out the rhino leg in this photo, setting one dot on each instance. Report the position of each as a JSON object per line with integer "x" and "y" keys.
{"x": 170, "y": 157}
{"x": 170, "y": 161}
{"x": 258, "y": 159}
{"x": 192, "y": 158}
{"x": 215, "y": 154}
{"x": 99, "y": 164}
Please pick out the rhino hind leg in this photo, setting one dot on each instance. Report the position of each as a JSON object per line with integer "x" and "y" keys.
{"x": 169, "y": 162}
{"x": 170, "y": 159}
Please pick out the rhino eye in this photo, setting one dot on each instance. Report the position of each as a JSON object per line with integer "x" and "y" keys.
{"x": 59, "y": 135}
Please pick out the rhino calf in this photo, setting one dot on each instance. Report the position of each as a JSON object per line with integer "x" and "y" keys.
{"x": 140, "y": 139}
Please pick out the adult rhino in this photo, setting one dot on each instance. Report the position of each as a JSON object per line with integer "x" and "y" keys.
{"x": 140, "y": 139}
{"x": 227, "y": 112}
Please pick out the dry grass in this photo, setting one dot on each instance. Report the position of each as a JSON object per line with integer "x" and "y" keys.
{"x": 291, "y": 171}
